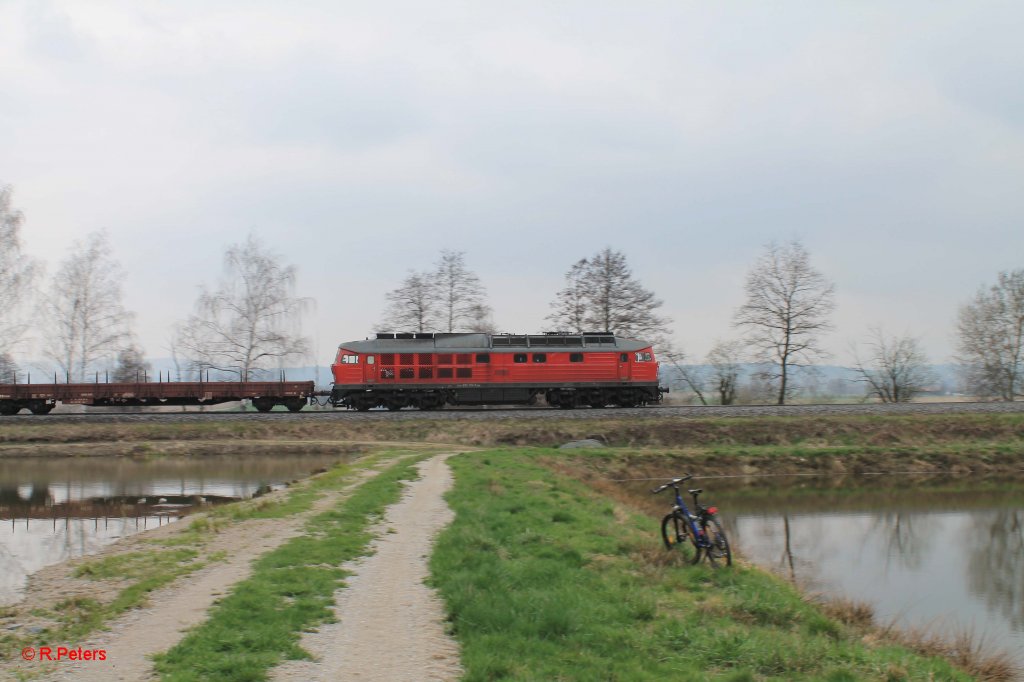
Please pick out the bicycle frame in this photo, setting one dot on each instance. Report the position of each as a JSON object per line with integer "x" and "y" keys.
{"x": 691, "y": 519}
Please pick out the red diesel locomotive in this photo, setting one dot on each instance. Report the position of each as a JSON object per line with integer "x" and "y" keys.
{"x": 429, "y": 371}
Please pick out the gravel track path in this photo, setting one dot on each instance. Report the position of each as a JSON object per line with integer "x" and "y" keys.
{"x": 540, "y": 413}
{"x": 140, "y": 633}
{"x": 390, "y": 624}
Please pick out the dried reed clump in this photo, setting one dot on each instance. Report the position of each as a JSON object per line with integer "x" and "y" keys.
{"x": 849, "y": 612}
{"x": 965, "y": 649}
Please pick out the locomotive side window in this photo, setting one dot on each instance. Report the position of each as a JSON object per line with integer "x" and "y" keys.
{"x": 624, "y": 357}
{"x": 350, "y": 359}
{"x": 575, "y": 357}
{"x": 519, "y": 357}
{"x": 483, "y": 358}
{"x": 643, "y": 357}
{"x": 540, "y": 357}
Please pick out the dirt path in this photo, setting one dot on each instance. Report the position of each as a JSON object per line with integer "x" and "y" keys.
{"x": 140, "y": 633}
{"x": 391, "y": 625}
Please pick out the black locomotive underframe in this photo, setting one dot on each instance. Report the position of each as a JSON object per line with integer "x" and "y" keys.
{"x": 433, "y": 396}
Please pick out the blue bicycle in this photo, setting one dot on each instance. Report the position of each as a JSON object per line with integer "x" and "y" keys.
{"x": 696, "y": 535}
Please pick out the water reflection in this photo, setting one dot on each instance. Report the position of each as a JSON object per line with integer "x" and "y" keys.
{"x": 52, "y": 510}
{"x": 946, "y": 554}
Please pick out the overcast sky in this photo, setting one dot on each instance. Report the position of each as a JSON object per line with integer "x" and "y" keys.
{"x": 357, "y": 140}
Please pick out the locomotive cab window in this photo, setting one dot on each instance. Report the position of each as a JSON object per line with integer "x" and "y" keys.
{"x": 350, "y": 359}
{"x": 540, "y": 357}
{"x": 369, "y": 359}
{"x": 643, "y": 357}
{"x": 575, "y": 357}
{"x": 483, "y": 358}
{"x": 624, "y": 357}
{"x": 519, "y": 357}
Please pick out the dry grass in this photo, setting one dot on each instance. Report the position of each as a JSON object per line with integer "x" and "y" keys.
{"x": 963, "y": 648}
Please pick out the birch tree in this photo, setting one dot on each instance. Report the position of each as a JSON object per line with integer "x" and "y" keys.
{"x": 18, "y": 272}
{"x": 787, "y": 310}
{"x": 85, "y": 320}
{"x": 251, "y": 321}
{"x": 990, "y": 331}
{"x": 895, "y": 369}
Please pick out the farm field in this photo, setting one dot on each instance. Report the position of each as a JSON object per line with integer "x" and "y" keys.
{"x": 546, "y": 571}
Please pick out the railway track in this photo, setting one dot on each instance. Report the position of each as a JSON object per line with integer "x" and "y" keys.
{"x": 525, "y": 413}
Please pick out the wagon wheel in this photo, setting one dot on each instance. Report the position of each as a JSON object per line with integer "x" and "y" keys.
{"x": 42, "y": 408}
{"x": 263, "y": 404}
{"x": 295, "y": 404}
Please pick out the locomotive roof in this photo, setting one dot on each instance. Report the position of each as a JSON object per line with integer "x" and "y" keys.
{"x": 491, "y": 343}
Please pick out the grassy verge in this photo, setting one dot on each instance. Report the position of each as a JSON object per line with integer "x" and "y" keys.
{"x": 291, "y": 589}
{"x": 655, "y": 428}
{"x": 545, "y": 579}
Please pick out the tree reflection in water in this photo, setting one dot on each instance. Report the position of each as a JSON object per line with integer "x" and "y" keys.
{"x": 995, "y": 570}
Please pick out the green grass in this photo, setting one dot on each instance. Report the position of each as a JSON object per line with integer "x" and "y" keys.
{"x": 290, "y": 590}
{"x": 546, "y": 580}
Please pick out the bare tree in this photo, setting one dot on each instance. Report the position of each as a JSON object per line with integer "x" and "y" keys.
{"x": 610, "y": 298}
{"x": 690, "y": 376}
{"x": 85, "y": 319}
{"x": 251, "y": 320}
{"x": 896, "y": 368}
{"x": 787, "y": 309}
{"x": 130, "y": 365}
{"x": 461, "y": 296}
{"x": 569, "y": 313}
{"x": 448, "y": 299}
{"x": 991, "y": 338}
{"x": 726, "y": 360}
{"x": 17, "y": 274}
{"x": 413, "y": 306}
{"x": 8, "y": 369}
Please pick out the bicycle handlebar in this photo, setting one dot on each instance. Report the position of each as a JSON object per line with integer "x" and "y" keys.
{"x": 671, "y": 484}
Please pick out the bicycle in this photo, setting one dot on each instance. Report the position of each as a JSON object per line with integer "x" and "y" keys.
{"x": 700, "y": 531}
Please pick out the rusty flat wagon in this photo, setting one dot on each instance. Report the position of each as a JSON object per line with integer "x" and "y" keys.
{"x": 265, "y": 395}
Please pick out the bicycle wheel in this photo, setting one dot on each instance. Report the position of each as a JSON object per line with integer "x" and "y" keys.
{"x": 676, "y": 535}
{"x": 718, "y": 552}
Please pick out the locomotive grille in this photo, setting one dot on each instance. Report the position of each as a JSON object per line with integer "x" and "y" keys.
{"x": 405, "y": 359}
{"x": 444, "y": 359}
{"x": 387, "y": 358}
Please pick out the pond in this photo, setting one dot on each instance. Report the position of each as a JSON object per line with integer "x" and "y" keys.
{"x": 942, "y": 554}
{"x": 52, "y": 510}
